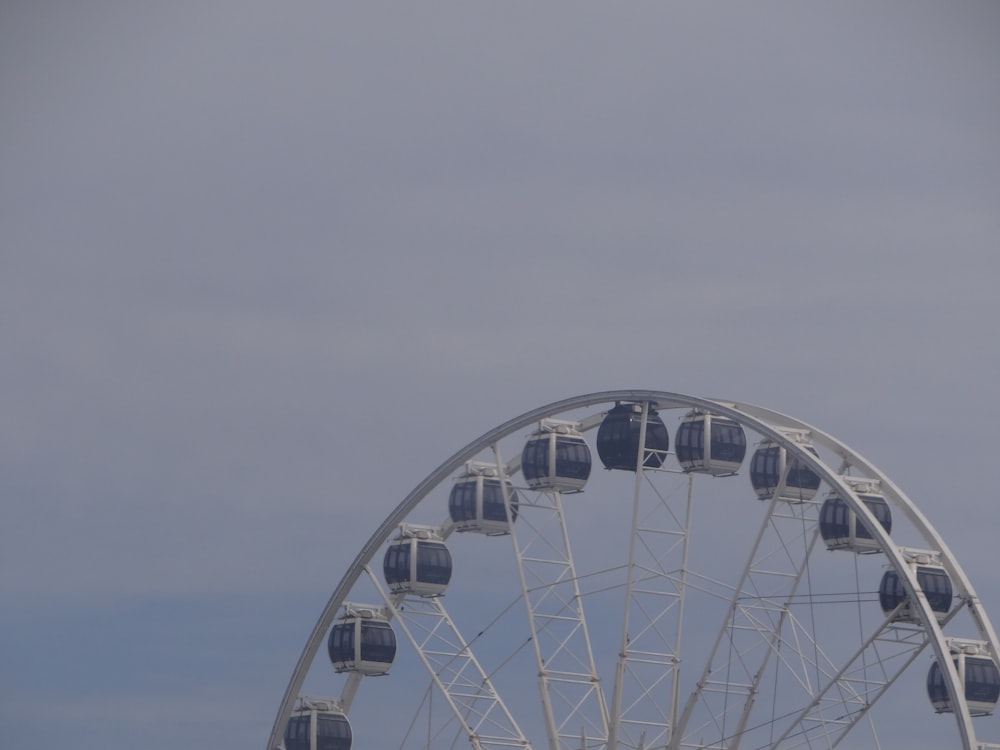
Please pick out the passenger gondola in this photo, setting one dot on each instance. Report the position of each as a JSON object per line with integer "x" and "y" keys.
{"x": 976, "y": 671}
{"x": 362, "y": 641}
{"x": 710, "y": 444}
{"x": 840, "y": 526}
{"x": 476, "y": 501}
{"x": 773, "y": 474}
{"x": 417, "y": 562}
{"x": 933, "y": 581}
{"x": 556, "y": 458}
{"x": 618, "y": 438}
{"x": 318, "y": 724}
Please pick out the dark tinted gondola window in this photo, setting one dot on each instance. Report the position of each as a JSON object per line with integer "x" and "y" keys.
{"x": 462, "y": 501}
{"x": 936, "y": 689}
{"x": 535, "y": 458}
{"x": 341, "y": 643}
{"x": 396, "y": 565}
{"x": 378, "y": 642}
{"x": 982, "y": 680}
{"x": 493, "y": 507}
{"x": 616, "y": 443}
{"x": 843, "y": 515}
{"x": 729, "y": 443}
{"x": 860, "y": 529}
{"x": 891, "y": 591}
{"x": 800, "y": 475}
{"x": 834, "y": 520}
{"x": 433, "y": 563}
{"x": 333, "y": 732}
{"x": 879, "y": 509}
{"x": 690, "y": 439}
{"x": 572, "y": 458}
{"x": 764, "y": 467}
{"x": 937, "y": 586}
{"x": 297, "y": 733}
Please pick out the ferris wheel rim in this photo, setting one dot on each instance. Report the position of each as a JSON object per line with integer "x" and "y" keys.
{"x": 747, "y": 415}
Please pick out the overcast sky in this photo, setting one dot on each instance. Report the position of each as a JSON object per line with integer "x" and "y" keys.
{"x": 263, "y": 266}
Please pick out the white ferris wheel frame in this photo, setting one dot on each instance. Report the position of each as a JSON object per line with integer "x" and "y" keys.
{"x": 486, "y": 709}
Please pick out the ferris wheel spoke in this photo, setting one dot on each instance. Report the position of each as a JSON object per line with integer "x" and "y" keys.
{"x": 645, "y": 692}
{"x": 572, "y": 700}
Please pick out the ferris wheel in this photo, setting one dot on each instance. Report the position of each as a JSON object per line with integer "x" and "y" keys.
{"x": 642, "y": 569}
